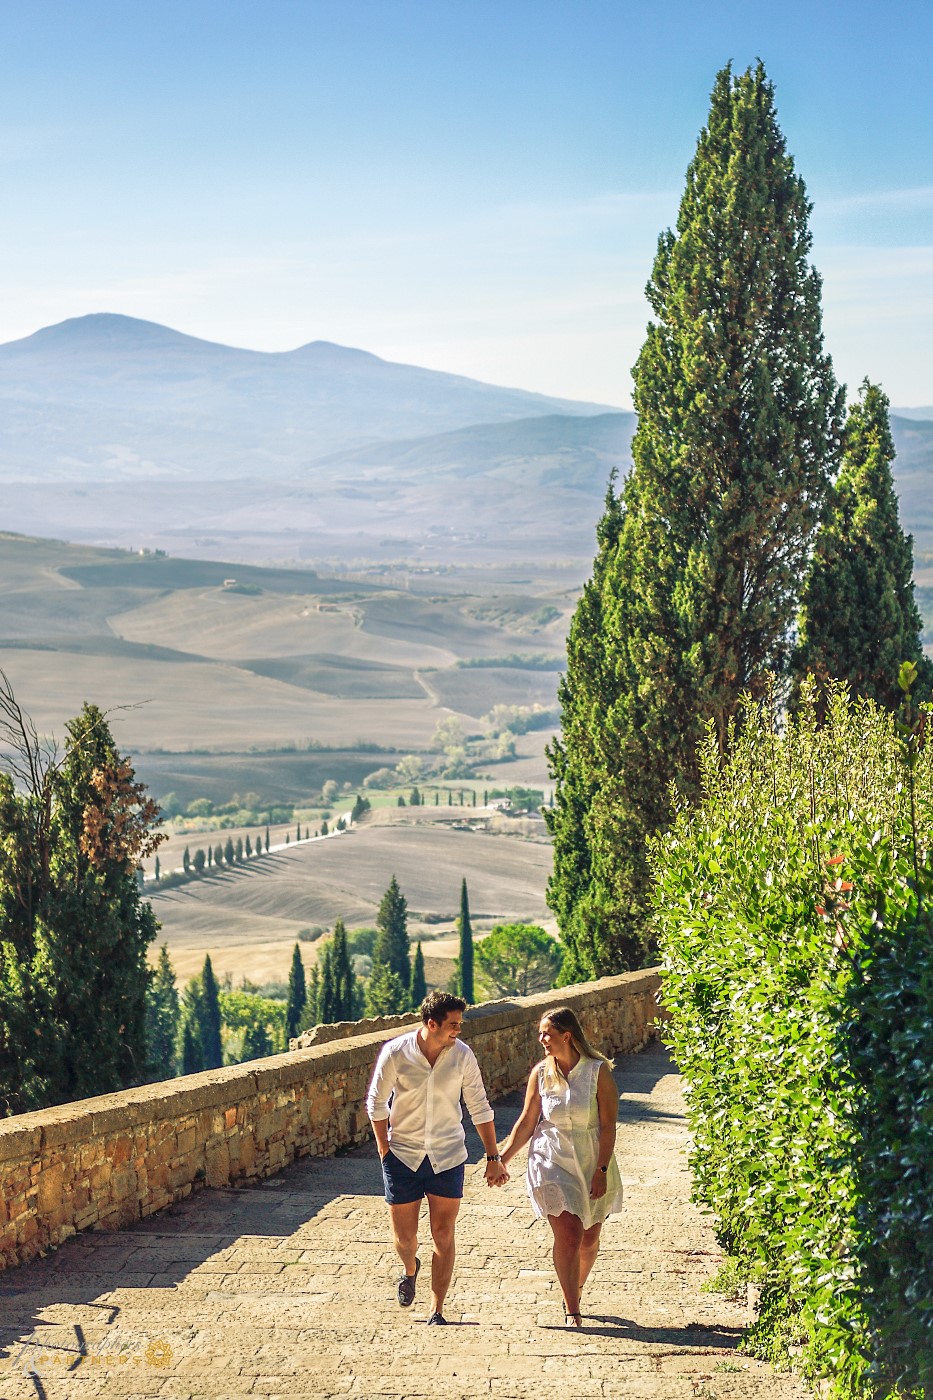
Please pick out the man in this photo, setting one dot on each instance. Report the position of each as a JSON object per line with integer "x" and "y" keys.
{"x": 420, "y": 1137}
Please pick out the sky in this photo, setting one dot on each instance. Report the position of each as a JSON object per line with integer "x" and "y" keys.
{"x": 475, "y": 186}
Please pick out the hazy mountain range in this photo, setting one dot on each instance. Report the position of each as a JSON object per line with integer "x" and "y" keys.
{"x": 105, "y": 396}
{"x": 122, "y": 431}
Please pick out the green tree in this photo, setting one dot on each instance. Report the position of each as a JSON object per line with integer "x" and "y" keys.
{"x": 256, "y": 1043}
{"x": 248, "y": 847}
{"x": 739, "y": 424}
{"x": 518, "y": 959}
{"x": 312, "y": 1006}
{"x": 323, "y": 828}
{"x": 327, "y": 993}
{"x": 238, "y": 850}
{"x": 191, "y": 1042}
{"x": 157, "y": 870}
{"x": 386, "y": 994}
{"x": 465, "y": 960}
{"x": 297, "y": 995}
{"x": 210, "y": 1018}
{"x": 191, "y": 1052}
{"x": 186, "y": 861}
{"x": 229, "y": 851}
{"x": 73, "y": 927}
{"x": 267, "y": 840}
{"x": 391, "y": 948}
{"x": 199, "y": 861}
{"x": 163, "y": 1014}
{"x": 418, "y": 987}
{"x": 218, "y": 855}
{"x": 210, "y": 857}
{"x": 343, "y": 977}
{"x": 858, "y": 617}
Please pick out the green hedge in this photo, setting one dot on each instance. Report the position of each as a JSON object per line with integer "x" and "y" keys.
{"x": 792, "y": 909}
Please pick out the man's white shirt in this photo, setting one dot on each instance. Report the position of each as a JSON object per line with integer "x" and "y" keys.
{"x": 422, "y": 1102}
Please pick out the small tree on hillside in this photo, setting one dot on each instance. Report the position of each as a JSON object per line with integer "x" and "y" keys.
{"x": 199, "y": 860}
{"x": 163, "y": 1014}
{"x": 191, "y": 1044}
{"x": 344, "y": 980}
{"x": 386, "y": 994}
{"x": 465, "y": 961}
{"x": 392, "y": 945}
{"x": 210, "y": 1018}
{"x": 297, "y": 995}
{"x": 418, "y": 988}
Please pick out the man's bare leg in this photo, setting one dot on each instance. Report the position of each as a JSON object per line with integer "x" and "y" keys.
{"x": 405, "y": 1233}
{"x": 443, "y": 1214}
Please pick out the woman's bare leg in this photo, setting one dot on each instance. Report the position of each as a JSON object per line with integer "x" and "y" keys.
{"x": 568, "y": 1235}
{"x": 589, "y": 1248}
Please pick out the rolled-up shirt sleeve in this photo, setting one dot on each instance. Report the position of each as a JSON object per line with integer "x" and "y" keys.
{"x": 474, "y": 1091}
{"x": 381, "y": 1086}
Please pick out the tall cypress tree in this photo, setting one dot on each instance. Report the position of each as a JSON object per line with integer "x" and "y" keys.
{"x": 391, "y": 947}
{"x": 311, "y": 1017}
{"x": 297, "y": 995}
{"x": 191, "y": 1038}
{"x": 418, "y": 987}
{"x": 579, "y": 889}
{"x": 386, "y": 994}
{"x": 327, "y": 1004}
{"x": 465, "y": 963}
{"x": 210, "y": 1018}
{"x": 163, "y": 1013}
{"x": 191, "y": 1051}
{"x": 858, "y": 617}
{"x": 343, "y": 976}
{"x": 739, "y": 422}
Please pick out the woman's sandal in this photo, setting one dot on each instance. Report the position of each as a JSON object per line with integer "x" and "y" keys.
{"x": 572, "y": 1319}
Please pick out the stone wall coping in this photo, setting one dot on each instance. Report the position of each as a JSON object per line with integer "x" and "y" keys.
{"x": 29, "y": 1134}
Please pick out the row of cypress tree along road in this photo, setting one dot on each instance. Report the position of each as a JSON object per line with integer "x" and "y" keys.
{"x": 696, "y": 586}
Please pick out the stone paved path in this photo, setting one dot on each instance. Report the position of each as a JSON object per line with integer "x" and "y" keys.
{"x": 288, "y": 1289}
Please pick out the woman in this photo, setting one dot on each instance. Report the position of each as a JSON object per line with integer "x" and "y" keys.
{"x": 569, "y": 1119}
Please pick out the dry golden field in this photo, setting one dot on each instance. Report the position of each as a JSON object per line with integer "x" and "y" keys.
{"x": 225, "y": 679}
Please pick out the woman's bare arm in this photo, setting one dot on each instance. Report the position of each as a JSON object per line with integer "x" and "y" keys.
{"x": 607, "y": 1104}
{"x": 524, "y": 1128}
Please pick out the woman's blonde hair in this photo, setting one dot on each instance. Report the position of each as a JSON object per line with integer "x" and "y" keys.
{"x": 563, "y": 1020}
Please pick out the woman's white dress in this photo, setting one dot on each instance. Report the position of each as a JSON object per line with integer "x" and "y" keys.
{"x": 564, "y": 1151}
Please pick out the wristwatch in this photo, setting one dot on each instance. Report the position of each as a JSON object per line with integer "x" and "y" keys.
{"x": 494, "y": 1158}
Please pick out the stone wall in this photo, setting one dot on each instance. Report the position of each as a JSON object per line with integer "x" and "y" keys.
{"x": 103, "y": 1163}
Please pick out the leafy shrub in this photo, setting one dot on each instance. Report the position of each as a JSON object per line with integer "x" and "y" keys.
{"x": 792, "y": 908}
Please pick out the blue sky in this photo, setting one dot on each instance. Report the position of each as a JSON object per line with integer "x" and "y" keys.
{"x": 471, "y": 185}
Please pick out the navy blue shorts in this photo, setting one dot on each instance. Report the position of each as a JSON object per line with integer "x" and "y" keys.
{"x": 404, "y": 1185}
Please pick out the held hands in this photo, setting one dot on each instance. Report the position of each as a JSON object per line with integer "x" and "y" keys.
{"x": 496, "y": 1174}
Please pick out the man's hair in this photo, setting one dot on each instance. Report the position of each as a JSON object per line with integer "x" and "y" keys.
{"x": 437, "y": 1005}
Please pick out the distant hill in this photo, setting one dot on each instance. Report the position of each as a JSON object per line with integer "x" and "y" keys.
{"x": 159, "y": 439}
{"x": 104, "y": 397}
{"x": 576, "y": 453}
